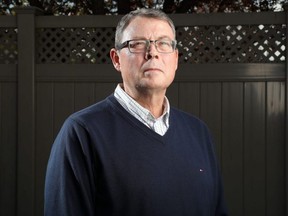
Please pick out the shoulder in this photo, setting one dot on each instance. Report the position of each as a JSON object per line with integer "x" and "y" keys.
{"x": 188, "y": 123}
{"x": 185, "y": 117}
{"x": 98, "y": 111}
{"x": 83, "y": 122}
{"x": 92, "y": 109}
{"x": 91, "y": 117}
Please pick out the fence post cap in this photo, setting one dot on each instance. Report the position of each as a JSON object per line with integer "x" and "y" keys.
{"x": 28, "y": 10}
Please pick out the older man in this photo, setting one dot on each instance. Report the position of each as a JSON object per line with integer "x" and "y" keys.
{"x": 132, "y": 154}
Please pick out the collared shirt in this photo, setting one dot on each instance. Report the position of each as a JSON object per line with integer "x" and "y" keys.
{"x": 159, "y": 125}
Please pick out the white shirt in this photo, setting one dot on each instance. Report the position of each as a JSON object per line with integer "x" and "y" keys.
{"x": 159, "y": 125}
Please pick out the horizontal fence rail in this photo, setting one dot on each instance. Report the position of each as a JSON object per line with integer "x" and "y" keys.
{"x": 232, "y": 74}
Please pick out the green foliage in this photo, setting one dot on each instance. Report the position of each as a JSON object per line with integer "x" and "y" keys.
{"x": 89, "y": 7}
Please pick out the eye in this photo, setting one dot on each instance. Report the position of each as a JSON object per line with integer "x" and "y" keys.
{"x": 137, "y": 44}
{"x": 164, "y": 43}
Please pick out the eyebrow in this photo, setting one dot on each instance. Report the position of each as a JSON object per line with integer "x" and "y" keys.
{"x": 159, "y": 38}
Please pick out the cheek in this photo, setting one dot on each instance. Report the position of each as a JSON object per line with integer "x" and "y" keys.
{"x": 128, "y": 61}
{"x": 172, "y": 64}
{"x": 176, "y": 60}
{"x": 129, "y": 67}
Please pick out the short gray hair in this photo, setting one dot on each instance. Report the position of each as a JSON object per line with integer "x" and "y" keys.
{"x": 143, "y": 12}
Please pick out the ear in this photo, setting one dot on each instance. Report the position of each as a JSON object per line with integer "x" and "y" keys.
{"x": 115, "y": 59}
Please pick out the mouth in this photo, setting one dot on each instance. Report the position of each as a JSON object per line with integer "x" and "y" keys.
{"x": 152, "y": 70}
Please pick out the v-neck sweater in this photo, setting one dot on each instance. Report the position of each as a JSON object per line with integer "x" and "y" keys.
{"x": 106, "y": 162}
{"x": 160, "y": 125}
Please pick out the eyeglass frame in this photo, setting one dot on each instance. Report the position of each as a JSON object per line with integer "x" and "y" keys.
{"x": 148, "y": 43}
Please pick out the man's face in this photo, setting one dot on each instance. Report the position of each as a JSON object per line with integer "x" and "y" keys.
{"x": 142, "y": 73}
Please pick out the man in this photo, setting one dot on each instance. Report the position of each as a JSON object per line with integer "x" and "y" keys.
{"x": 131, "y": 154}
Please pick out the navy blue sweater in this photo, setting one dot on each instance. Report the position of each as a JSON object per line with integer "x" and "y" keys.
{"x": 106, "y": 162}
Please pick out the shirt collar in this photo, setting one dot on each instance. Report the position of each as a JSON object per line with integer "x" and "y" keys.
{"x": 136, "y": 109}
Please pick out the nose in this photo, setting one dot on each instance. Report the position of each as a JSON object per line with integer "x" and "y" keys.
{"x": 151, "y": 51}
{"x": 152, "y": 45}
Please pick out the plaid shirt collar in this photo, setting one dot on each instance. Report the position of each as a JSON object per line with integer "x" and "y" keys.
{"x": 143, "y": 114}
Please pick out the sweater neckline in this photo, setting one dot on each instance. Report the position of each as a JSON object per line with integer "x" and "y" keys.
{"x": 135, "y": 122}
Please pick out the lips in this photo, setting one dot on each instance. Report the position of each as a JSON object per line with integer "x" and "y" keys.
{"x": 152, "y": 69}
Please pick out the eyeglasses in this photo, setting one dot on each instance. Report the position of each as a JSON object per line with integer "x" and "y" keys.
{"x": 140, "y": 46}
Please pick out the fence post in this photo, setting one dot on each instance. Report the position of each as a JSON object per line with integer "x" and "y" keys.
{"x": 26, "y": 110}
{"x": 285, "y": 6}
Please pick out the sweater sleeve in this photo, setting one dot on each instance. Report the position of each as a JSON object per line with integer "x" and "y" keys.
{"x": 69, "y": 185}
{"x": 221, "y": 209}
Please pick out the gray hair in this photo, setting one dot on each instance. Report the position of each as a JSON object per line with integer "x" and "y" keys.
{"x": 143, "y": 12}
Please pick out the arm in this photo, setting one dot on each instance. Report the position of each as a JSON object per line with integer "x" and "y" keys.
{"x": 221, "y": 209}
{"x": 69, "y": 186}
{"x": 220, "y": 203}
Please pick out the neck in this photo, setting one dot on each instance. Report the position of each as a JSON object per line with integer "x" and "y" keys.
{"x": 154, "y": 104}
{"x": 151, "y": 100}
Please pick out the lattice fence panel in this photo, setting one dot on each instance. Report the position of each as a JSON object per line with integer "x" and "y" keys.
{"x": 232, "y": 44}
{"x": 197, "y": 44}
{"x": 8, "y": 46}
{"x": 74, "y": 45}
